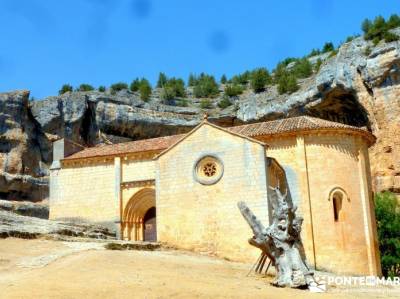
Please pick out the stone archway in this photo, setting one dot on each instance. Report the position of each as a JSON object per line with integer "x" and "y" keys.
{"x": 133, "y": 220}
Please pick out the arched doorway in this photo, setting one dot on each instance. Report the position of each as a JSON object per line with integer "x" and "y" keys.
{"x": 140, "y": 211}
{"x": 150, "y": 225}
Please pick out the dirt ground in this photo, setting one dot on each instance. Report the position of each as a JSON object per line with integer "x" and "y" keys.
{"x": 54, "y": 269}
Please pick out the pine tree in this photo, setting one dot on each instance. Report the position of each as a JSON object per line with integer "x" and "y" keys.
{"x": 162, "y": 80}
{"x": 206, "y": 86}
{"x": 328, "y": 47}
{"x": 135, "y": 85}
{"x": 144, "y": 89}
{"x": 192, "y": 81}
{"x": 223, "y": 79}
{"x": 259, "y": 78}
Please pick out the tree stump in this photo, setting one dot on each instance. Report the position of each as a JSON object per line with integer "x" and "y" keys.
{"x": 281, "y": 241}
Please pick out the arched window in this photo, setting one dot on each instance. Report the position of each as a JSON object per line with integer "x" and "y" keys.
{"x": 337, "y": 196}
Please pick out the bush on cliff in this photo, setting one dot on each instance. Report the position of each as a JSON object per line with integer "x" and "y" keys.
{"x": 118, "y": 86}
{"x": 378, "y": 29}
{"x": 205, "y": 104}
{"x": 135, "y": 85}
{"x": 85, "y": 87}
{"x": 172, "y": 88}
{"x": 162, "y": 80}
{"x": 65, "y": 88}
{"x": 205, "y": 87}
{"x": 223, "y": 79}
{"x": 242, "y": 78}
{"x": 387, "y": 211}
{"x": 259, "y": 78}
{"x": 225, "y": 102}
{"x": 144, "y": 89}
{"x": 233, "y": 90}
{"x": 328, "y": 47}
{"x": 287, "y": 84}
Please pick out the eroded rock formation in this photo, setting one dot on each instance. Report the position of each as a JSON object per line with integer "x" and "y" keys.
{"x": 24, "y": 150}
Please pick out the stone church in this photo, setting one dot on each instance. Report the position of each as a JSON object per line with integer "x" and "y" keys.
{"x": 183, "y": 190}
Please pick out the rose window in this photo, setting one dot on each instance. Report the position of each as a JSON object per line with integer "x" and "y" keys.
{"x": 208, "y": 170}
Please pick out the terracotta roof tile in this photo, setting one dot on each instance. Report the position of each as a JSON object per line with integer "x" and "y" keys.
{"x": 281, "y": 126}
{"x": 152, "y": 144}
{"x": 288, "y": 125}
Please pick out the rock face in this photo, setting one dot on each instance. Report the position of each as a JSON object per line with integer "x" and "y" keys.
{"x": 360, "y": 86}
{"x": 24, "y": 150}
{"x": 94, "y": 117}
{"x": 353, "y": 87}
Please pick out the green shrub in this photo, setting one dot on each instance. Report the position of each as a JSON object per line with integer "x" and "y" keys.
{"x": 328, "y": 47}
{"x": 223, "y": 79}
{"x": 182, "y": 102}
{"x": 378, "y": 29}
{"x": 233, "y": 90}
{"x": 259, "y": 79}
{"x": 287, "y": 84}
{"x": 135, "y": 85}
{"x": 118, "y": 86}
{"x": 317, "y": 65}
{"x": 101, "y": 88}
{"x": 393, "y": 22}
{"x": 387, "y": 211}
{"x": 314, "y": 52}
{"x": 242, "y": 78}
{"x": 65, "y": 88}
{"x": 192, "y": 81}
{"x": 367, "y": 51}
{"x": 172, "y": 89}
{"x": 178, "y": 86}
{"x": 224, "y": 103}
{"x": 390, "y": 37}
{"x": 206, "y": 87}
{"x": 85, "y": 87}
{"x": 333, "y": 53}
{"x": 162, "y": 80}
{"x": 205, "y": 104}
{"x": 144, "y": 89}
{"x": 302, "y": 68}
{"x": 167, "y": 93}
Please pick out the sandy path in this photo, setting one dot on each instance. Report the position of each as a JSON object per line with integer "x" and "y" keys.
{"x": 82, "y": 271}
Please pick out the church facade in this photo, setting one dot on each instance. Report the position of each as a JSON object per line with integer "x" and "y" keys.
{"x": 183, "y": 190}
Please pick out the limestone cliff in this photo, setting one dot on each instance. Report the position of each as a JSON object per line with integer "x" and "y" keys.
{"x": 24, "y": 150}
{"x": 360, "y": 85}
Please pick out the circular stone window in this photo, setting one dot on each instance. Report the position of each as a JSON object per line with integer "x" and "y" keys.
{"x": 208, "y": 170}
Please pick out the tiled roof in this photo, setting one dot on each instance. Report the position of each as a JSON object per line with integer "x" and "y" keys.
{"x": 275, "y": 127}
{"x": 293, "y": 124}
{"x": 152, "y": 144}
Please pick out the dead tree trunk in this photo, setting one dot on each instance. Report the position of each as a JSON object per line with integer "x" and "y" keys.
{"x": 281, "y": 241}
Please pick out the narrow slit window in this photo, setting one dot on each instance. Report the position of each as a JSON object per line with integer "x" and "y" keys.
{"x": 337, "y": 206}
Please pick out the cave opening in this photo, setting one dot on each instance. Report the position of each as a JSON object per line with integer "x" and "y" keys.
{"x": 88, "y": 129}
{"x": 341, "y": 106}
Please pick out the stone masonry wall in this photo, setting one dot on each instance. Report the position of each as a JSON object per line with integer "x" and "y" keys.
{"x": 205, "y": 218}
{"x": 323, "y": 163}
{"x": 84, "y": 192}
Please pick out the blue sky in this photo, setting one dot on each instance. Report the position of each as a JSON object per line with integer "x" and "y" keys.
{"x": 44, "y": 43}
